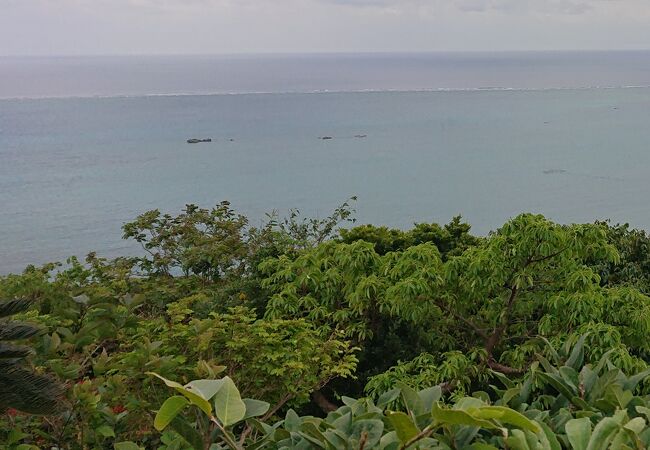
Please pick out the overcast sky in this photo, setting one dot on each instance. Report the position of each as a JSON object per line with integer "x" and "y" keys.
{"x": 62, "y": 27}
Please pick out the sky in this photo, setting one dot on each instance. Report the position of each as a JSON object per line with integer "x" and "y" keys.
{"x": 99, "y": 27}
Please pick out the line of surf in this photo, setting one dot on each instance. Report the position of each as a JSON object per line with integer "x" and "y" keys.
{"x": 323, "y": 91}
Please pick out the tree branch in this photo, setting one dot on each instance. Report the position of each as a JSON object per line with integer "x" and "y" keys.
{"x": 421, "y": 435}
{"x": 465, "y": 320}
{"x": 323, "y": 403}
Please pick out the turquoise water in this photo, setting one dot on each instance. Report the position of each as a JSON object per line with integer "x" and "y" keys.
{"x": 72, "y": 170}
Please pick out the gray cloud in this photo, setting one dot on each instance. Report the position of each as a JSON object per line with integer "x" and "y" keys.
{"x": 233, "y": 26}
{"x": 476, "y": 6}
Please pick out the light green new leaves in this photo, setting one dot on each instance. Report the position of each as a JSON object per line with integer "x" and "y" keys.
{"x": 168, "y": 411}
{"x": 194, "y": 395}
{"x": 229, "y": 406}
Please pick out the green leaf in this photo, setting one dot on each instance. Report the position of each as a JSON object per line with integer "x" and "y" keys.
{"x": 404, "y": 426}
{"x": 429, "y": 396}
{"x": 559, "y": 384}
{"x": 579, "y": 432}
{"x": 126, "y": 446}
{"x": 411, "y": 399}
{"x": 506, "y": 415}
{"x": 458, "y": 417}
{"x": 255, "y": 408}
{"x": 603, "y": 433}
{"x": 388, "y": 397}
{"x": 373, "y": 429}
{"x": 228, "y": 404}
{"x": 551, "y": 442}
{"x": 204, "y": 388}
{"x": 105, "y": 431}
{"x": 15, "y": 436}
{"x": 635, "y": 425}
{"x": 578, "y": 354}
{"x": 192, "y": 396}
{"x": 187, "y": 432}
{"x": 169, "y": 410}
{"x": 517, "y": 441}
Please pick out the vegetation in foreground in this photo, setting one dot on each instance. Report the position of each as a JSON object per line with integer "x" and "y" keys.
{"x": 531, "y": 337}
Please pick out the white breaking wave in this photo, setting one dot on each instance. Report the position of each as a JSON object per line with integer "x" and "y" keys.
{"x": 328, "y": 91}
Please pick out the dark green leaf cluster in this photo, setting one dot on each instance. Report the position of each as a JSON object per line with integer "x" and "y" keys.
{"x": 20, "y": 387}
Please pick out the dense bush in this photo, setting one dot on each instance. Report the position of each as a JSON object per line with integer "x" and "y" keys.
{"x": 563, "y": 404}
{"x": 302, "y": 317}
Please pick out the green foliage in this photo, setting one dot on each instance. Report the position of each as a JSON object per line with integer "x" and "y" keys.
{"x": 20, "y": 387}
{"x": 451, "y": 239}
{"x": 476, "y": 311}
{"x": 554, "y": 407}
{"x": 198, "y": 241}
{"x": 633, "y": 269}
{"x": 460, "y": 342}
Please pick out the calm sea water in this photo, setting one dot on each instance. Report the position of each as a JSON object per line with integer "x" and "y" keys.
{"x": 88, "y": 143}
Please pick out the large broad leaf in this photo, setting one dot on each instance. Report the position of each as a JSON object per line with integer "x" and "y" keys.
{"x": 631, "y": 382}
{"x": 559, "y": 384}
{"x": 459, "y": 417}
{"x": 636, "y": 425}
{"x": 412, "y": 400}
{"x": 603, "y": 433}
{"x": 204, "y": 388}
{"x": 388, "y": 397}
{"x": 506, "y": 415}
{"x": 255, "y": 408}
{"x": 373, "y": 429}
{"x": 518, "y": 441}
{"x": 579, "y": 432}
{"x": 429, "y": 396}
{"x": 192, "y": 396}
{"x": 577, "y": 357}
{"x": 404, "y": 426}
{"x": 169, "y": 410}
{"x": 548, "y": 438}
{"x": 229, "y": 406}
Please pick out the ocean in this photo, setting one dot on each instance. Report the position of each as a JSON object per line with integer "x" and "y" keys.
{"x": 87, "y": 143}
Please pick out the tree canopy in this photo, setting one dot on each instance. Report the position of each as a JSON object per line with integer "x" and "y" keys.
{"x": 302, "y": 315}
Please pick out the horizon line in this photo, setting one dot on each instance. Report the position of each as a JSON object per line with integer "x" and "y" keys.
{"x": 322, "y": 53}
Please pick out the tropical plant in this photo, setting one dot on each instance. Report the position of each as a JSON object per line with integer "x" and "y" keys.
{"x": 557, "y": 405}
{"x": 483, "y": 306}
{"x": 20, "y": 387}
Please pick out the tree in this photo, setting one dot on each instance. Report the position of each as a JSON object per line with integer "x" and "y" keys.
{"x": 483, "y": 308}
{"x": 21, "y": 388}
{"x": 451, "y": 239}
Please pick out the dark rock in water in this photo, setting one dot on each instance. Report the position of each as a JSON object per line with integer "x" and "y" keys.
{"x": 231, "y": 140}
{"x": 196, "y": 141}
{"x": 360, "y": 136}
{"x": 552, "y": 171}
{"x": 326, "y": 138}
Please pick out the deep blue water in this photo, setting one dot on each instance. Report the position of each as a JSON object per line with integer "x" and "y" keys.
{"x": 569, "y": 141}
